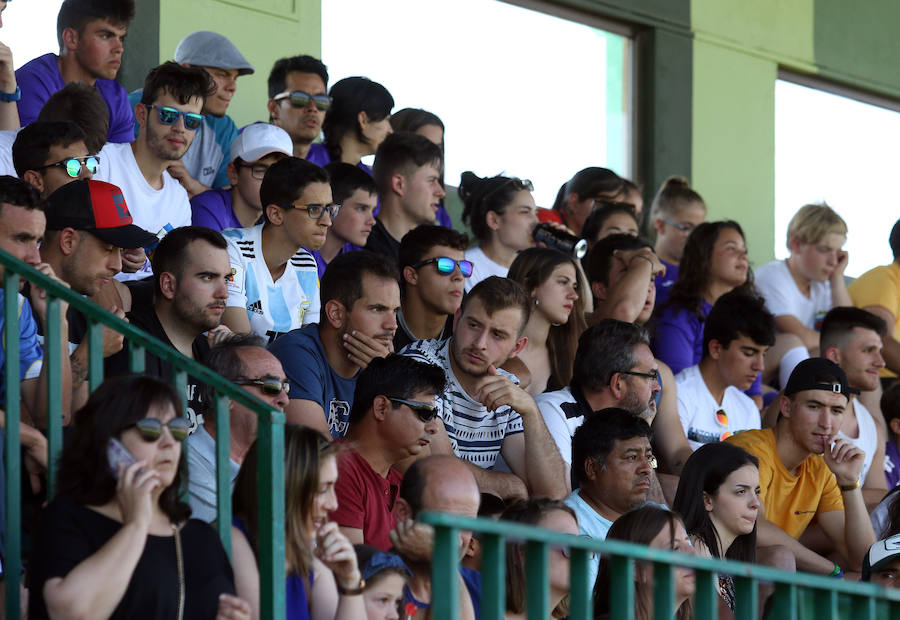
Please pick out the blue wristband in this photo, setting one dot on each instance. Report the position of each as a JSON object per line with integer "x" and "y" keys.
{"x": 10, "y": 97}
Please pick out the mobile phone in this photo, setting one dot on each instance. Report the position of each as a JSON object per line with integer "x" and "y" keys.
{"x": 117, "y": 453}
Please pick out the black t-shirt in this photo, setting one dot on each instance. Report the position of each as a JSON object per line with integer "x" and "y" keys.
{"x": 144, "y": 316}
{"x": 381, "y": 242}
{"x": 403, "y": 336}
{"x": 69, "y": 533}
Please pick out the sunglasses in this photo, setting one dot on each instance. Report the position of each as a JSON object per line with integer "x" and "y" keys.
{"x": 445, "y": 265}
{"x": 722, "y": 420}
{"x": 269, "y": 387}
{"x": 424, "y": 411}
{"x": 151, "y": 428}
{"x": 300, "y": 99}
{"x": 73, "y": 165}
{"x": 315, "y": 212}
{"x": 170, "y": 116}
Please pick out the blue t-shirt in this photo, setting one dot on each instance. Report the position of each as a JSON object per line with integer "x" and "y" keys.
{"x": 472, "y": 579}
{"x": 301, "y": 354}
{"x": 212, "y": 209}
{"x": 664, "y": 283}
{"x": 31, "y": 354}
{"x": 40, "y": 77}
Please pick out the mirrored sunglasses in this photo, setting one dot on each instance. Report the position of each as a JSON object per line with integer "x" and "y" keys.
{"x": 73, "y": 165}
{"x": 424, "y": 411}
{"x": 170, "y": 116}
{"x": 269, "y": 387}
{"x": 446, "y": 265}
{"x": 151, "y": 428}
{"x": 301, "y": 99}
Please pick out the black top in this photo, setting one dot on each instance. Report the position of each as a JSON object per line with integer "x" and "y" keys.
{"x": 68, "y": 533}
{"x": 381, "y": 242}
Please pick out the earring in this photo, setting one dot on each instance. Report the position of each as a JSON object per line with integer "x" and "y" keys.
{"x": 537, "y": 302}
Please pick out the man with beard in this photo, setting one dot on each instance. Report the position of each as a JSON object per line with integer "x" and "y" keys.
{"x": 297, "y": 103}
{"x": 190, "y": 276}
{"x": 168, "y": 116}
{"x": 614, "y": 367}
{"x": 360, "y": 300}
{"x": 485, "y": 413}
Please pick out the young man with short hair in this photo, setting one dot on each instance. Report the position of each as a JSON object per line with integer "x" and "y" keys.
{"x": 433, "y": 267}
{"x": 297, "y": 103}
{"x": 882, "y": 563}
{"x": 276, "y": 283}
{"x": 802, "y": 288}
{"x": 485, "y": 413}
{"x": 355, "y": 191}
{"x": 360, "y": 299}
{"x": 253, "y": 152}
{"x": 91, "y": 36}
{"x": 621, "y": 270}
{"x": 46, "y": 154}
{"x": 806, "y": 471}
{"x": 168, "y": 116}
{"x": 711, "y": 399}
{"x": 407, "y": 172}
{"x": 392, "y": 420}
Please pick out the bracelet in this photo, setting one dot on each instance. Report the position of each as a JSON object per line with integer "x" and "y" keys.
{"x": 837, "y": 572}
{"x": 850, "y": 487}
{"x": 11, "y": 97}
{"x": 352, "y": 591}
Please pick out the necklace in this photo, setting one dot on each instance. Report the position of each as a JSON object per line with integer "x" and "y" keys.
{"x": 179, "y": 562}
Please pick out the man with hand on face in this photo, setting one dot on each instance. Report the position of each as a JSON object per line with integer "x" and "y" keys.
{"x": 806, "y": 471}
{"x": 360, "y": 300}
{"x": 485, "y": 413}
{"x": 168, "y": 116}
{"x": 298, "y": 100}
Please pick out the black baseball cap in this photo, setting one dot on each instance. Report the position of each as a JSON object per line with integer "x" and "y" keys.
{"x": 818, "y": 373}
{"x": 96, "y": 207}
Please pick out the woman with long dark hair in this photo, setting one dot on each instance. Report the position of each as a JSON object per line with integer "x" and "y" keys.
{"x": 581, "y": 194}
{"x": 116, "y": 542}
{"x": 357, "y": 121}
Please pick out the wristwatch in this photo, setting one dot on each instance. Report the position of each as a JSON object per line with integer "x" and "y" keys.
{"x": 10, "y": 97}
{"x": 353, "y": 591}
{"x": 850, "y": 487}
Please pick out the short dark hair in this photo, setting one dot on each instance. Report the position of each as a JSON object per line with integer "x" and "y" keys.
{"x": 496, "y": 293}
{"x": 483, "y": 194}
{"x": 605, "y": 349}
{"x": 19, "y": 193}
{"x": 346, "y": 179}
{"x": 286, "y": 179}
{"x": 595, "y": 221}
{"x": 84, "y": 106}
{"x": 599, "y": 259}
{"x": 183, "y": 83}
{"x": 224, "y": 358}
{"x": 597, "y": 436}
{"x": 349, "y": 97}
{"x": 403, "y": 153}
{"x": 413, "y": 119}
{"x": 32, "y": 144}
{"x": 590, "y": 183}
{"x": 170, "y": 253}
{"x": 78, "y": 14}
{"x": 418, "y": 242}
{"x": 294, "y": 64}
{"x": 738, "y": 313}
{"x": 396, "y": 376}
{"x": 890, "y": 405}
{"x": 343, "y": 278}
{"x": 840, "y": 321}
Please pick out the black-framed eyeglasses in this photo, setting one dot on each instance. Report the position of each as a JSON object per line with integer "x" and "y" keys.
{"x": 424, "y": 411}
{"x": 151, "y": 428}
{"x": 301, "y": 99}
{"x": 73, "y": 165}
{"x": 315, "y": 212}
{"x": 257, "y": 171}
{"x": 170, "y": 116}
{"x": 653, "y": 375}
{"x": 445, "y": 265}
{"x": 685, "y": 228}
{"x": 269, "y": 387}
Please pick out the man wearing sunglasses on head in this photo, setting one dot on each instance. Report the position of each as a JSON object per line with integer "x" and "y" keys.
{"x": 49, "y": 154}
{"x": 433, "y": 268}
{"x": 297, "y": 103}
{"x": 276, "y": 281}
{"x": 393, "y": 419}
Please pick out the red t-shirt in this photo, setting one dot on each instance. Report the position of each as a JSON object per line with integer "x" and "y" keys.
{"x": 365, "y": 499}
{"x": 549, "y": 215}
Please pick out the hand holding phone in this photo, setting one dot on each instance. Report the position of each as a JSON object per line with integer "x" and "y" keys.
{"x": 117, "y": 454}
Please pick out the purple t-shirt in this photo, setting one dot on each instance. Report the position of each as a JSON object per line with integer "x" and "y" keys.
{"x": 892, "y": 464}
{"x": 664, "y": 283}
{"x": 40, "y": 77}
{"x": 212, "y": 209}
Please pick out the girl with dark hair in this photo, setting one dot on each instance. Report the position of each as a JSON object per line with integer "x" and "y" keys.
{"x": 578, "y": 197}
{"x": 718, "y": 496}
{"x": 323, "y": 580}
{"x": 552, "y": 515}
{"x": 609, "y": 219}
{"x": 357, "y": 121}
{"x": 501, "y": 213}
{"x": 115, "y": 542}
{"x": 656, "y": 527}
{"x": 553, "y": 281}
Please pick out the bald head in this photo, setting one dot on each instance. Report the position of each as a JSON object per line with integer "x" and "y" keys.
{"x": 441, "y": 483}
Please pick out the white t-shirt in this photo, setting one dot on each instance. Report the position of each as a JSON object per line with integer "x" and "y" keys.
{"x": 155, "y": 210}
{"x": 274, "y": 308}
{"x": 7, "y": 137}
{"x": 697, "y": 409}
{"x": 562, "y": 421}
{"x": 783, "y": 297}
{"x": 867, "y": 441}
{"x": 482, "y": 267}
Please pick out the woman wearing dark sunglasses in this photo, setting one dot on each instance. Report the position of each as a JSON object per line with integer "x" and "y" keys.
{"x": 117, "y": 543}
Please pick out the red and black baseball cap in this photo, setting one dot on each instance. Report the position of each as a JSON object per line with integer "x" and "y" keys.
{"x": 96, "y": 207}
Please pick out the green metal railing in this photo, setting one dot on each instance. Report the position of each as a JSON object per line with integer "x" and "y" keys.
{"x": 798, "y": 596}
{"x": 270, "y": 436}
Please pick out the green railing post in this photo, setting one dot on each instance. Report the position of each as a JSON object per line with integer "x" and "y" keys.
{"x": 706, "y": 598}
{"x": 137, "y": 358}
{"x": 53, "y": 353}
{"x": 95, "y": 354}
{"x": 746, "y": 591}
{"x": 223, "y": 470}
{"x": 12, "y": 568}
{"x": 621, "y": 604}
{"x": 537, "y": 571}
{"x": 271, "y": 515}
{"x": 663, "y": 590}
{"x": 493, "y": 577}
{"x": 580, "y": 585}
{"x": 826, "y": 605}
{"x": 445, "y": 567}
{"x": 786, "y": 600}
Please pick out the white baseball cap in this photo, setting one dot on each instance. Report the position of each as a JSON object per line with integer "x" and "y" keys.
{"x": 260, "y": 139}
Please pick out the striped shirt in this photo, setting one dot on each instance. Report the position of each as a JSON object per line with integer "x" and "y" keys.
{"x": 273, "y": 308}
{"x": 475, "y": 433}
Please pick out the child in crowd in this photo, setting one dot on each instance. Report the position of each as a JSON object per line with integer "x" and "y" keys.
{"x": 801, "y": 289}
{"x": 385, "y": 574}
{"x": 609, "y": 218}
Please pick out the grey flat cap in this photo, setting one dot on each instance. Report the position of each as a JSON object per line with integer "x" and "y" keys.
{"x": 211, "y": 49}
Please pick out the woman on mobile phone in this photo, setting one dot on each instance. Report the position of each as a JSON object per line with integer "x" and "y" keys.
{"x": 323, "y": 580}
{"x": 118, "y": 543}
